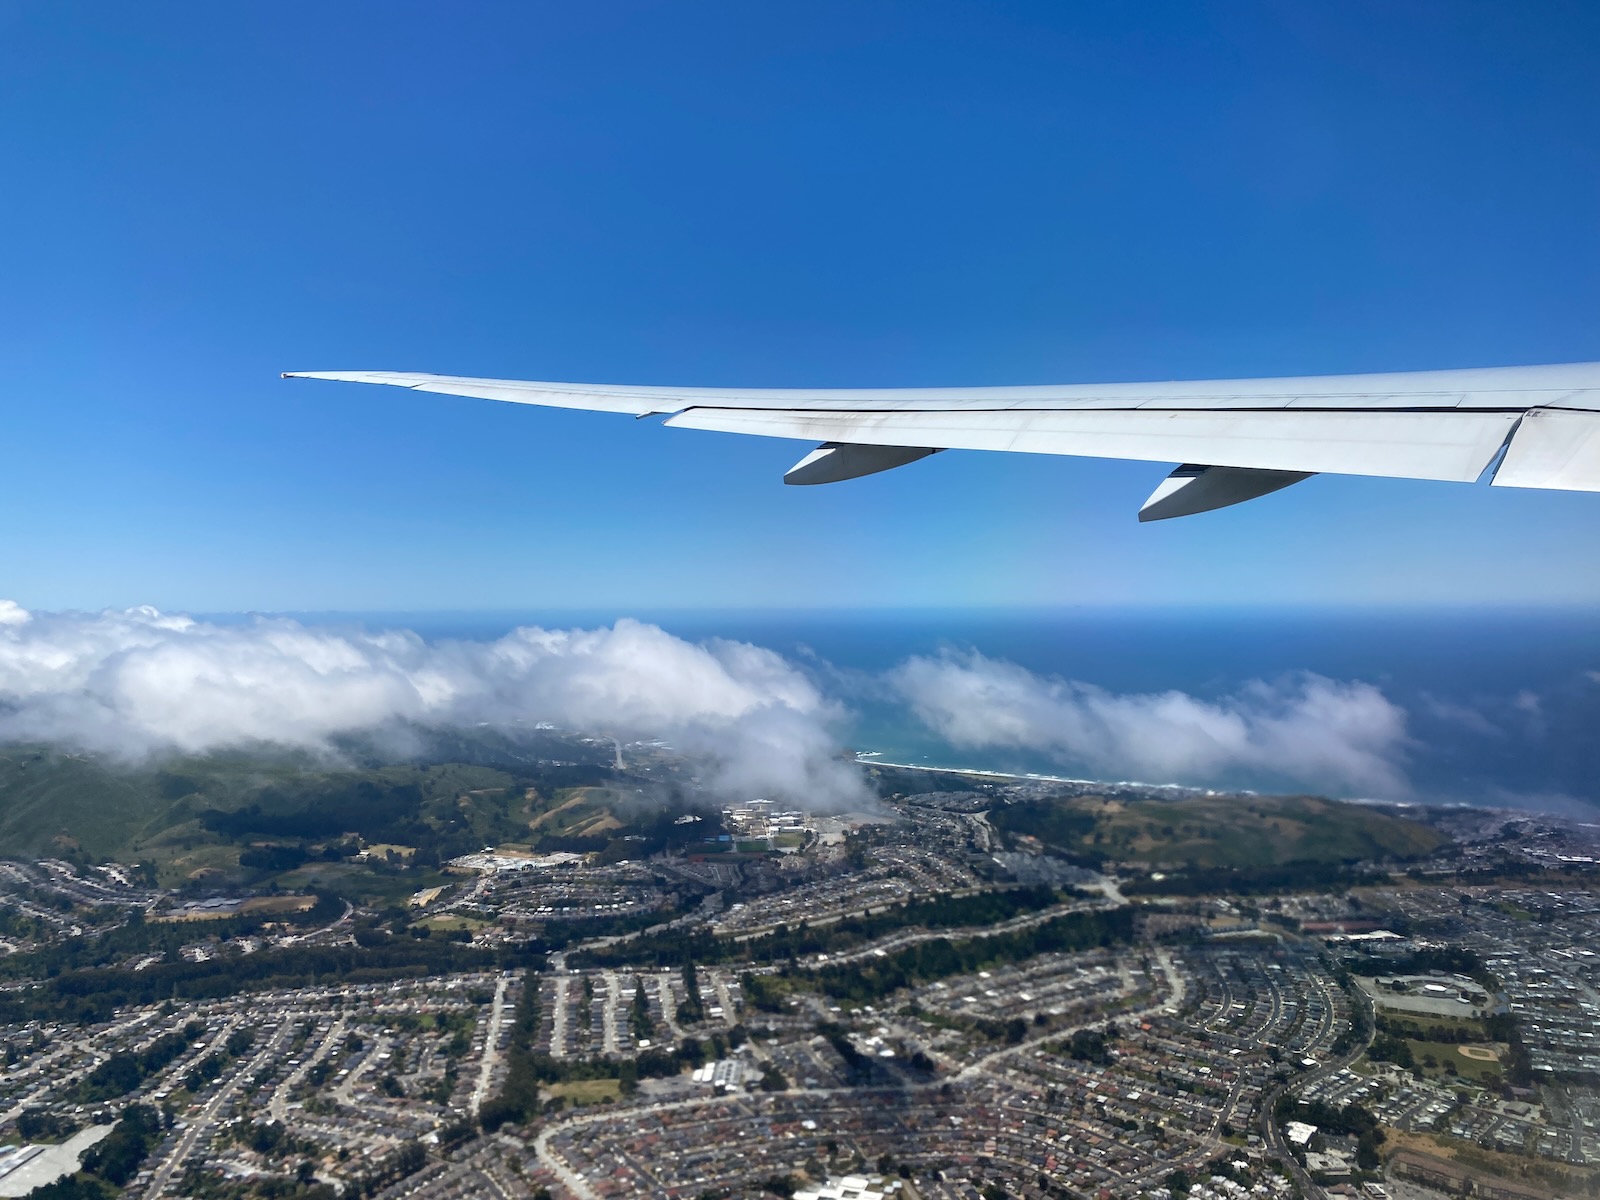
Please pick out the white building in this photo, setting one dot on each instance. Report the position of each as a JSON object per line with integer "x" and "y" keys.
{"x": 851, "y": 1187}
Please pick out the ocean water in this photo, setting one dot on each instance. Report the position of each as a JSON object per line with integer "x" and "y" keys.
{"x": 1503, "y": 706}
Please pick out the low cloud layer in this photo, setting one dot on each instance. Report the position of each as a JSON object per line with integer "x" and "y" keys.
{"x": 1306, "y": 730}
{"x": 140, "y": 682}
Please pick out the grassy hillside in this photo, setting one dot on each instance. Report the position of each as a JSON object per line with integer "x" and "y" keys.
{"x": 357, "y": 826}
{"x": 1215, "y": 831}
{"x": 578, "y": 812}
{"x": 51, "y": 802}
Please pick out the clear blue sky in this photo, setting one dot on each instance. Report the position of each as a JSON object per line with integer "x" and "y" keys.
{"x": 197, "y": 196}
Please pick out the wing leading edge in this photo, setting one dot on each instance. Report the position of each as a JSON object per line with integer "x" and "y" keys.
{"x": 1257, "y": 435}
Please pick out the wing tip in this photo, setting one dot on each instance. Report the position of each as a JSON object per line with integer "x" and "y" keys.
{"x": 336, "y": 376}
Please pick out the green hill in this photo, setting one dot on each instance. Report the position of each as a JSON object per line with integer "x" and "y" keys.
{"x": 1215, "y": 831}
{"x": 52, "y": 802}
{"x": 246, "y": 818}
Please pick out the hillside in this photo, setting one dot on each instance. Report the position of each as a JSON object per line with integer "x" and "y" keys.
{"x": 52, "y": 802}
{"x": 366, "y": 824}
{"x": 1215, "y": 830}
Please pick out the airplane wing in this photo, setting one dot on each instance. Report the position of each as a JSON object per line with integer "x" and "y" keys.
{"x": 1532, "y": 427}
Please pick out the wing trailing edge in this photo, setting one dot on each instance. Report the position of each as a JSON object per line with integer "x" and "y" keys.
{"x": 1536, "y": 427}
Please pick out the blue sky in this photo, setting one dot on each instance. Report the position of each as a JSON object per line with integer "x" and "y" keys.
{"x": 199, "y": 196}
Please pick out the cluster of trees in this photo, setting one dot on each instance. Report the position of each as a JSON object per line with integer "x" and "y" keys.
{"x": 692, "y": 1009}
{"x": 1389, "y": 1045}
{"x": 655, "y": 1063}
{"x": 783, "y": 943}
{"x": 271, "y": 1137}
{"x": 1057, "y": 824}
{"x": 1450, "y": 1034}
{"x": 127, "y": 1069}
{"x": 202, "y": 1184}
{"x": 89, "y": 996}
{"x": 116, "y": 1157}
{"x": 940, "y": 958}
{"x": 859, "y": 1065}
{"x": 1453, "y": 960}
{"x": 207, "y": 1070}
{"x": 210, "y": 1068}
{"x": 1386, "y": 1047}
{"x": 24, "y": 927}
{"x": 135, "y": 936}
{"x": 1350, "y": 1121}
{"x": 379, "y": 811}
{"x": 1222, "y": 1165}
{"x": 1088, "y": 1045}
{"x": 1368, "y": 1157}
{"x": 639, "y": 1020}
{"x": 772, "y": 1080}
{"x": 1254, "y": 881}
{"x": 1502, "y": 1027}
{"x": 559, "y": 934}
{"x": 1360, "y": 1028}
{"x": 37, "y": 1125}
{"x": 280, "y": 858}
{"x": 671, "y": 949}
{"x": 518, "y": 1098}
{"x": 110, "y": 1163}
{"x": 406, "y": 1159}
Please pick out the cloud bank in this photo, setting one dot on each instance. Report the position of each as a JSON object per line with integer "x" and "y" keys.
{"x": 1305, "y": 730}
{"x": 140, "y": 682}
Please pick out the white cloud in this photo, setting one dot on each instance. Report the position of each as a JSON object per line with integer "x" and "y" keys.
{"x": 1316, "y": 732}
{"x": 137, "y": 682}
{"x": 140, "y": 682}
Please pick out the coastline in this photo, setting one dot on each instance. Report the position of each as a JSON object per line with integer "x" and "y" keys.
{"x": 869, "y": 759}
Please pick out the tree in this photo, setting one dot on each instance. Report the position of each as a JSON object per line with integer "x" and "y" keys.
{"x": 639, "y": 1017}
{"x": 691, "y": 1009}
{"x": 1367, "y": 1157}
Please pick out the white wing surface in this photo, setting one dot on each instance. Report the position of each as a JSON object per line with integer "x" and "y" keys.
{"x": 1236, "y": 438}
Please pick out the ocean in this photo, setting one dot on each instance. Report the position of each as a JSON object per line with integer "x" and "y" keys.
{"x": 1502, "y": 706}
